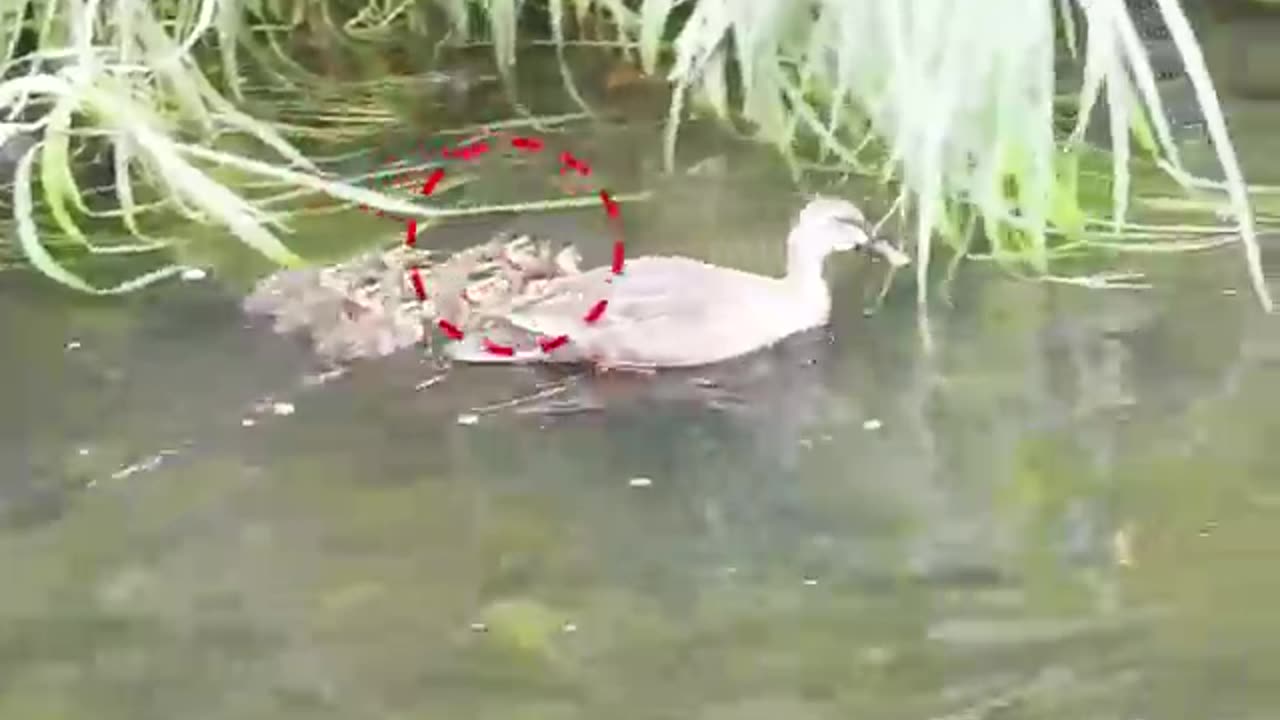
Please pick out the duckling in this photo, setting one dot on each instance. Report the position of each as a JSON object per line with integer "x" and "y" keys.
{"x": 525, "y": 259}
{"x": 569, "y": 261}
{"x": 369, "y": 305}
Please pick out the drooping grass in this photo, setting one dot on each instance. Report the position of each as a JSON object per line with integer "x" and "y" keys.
{"x": 958, "y": 103}
{"x": 952, "y": 105}
{"x": 126, "y": 72}
{"x": 112, "y": 69}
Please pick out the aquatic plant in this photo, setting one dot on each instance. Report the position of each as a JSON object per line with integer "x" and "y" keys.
{"x": 952, "y": 105}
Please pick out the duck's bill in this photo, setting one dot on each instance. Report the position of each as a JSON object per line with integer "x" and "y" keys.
{"x": 879, "y": 246}
{"x": 889, "y": 252}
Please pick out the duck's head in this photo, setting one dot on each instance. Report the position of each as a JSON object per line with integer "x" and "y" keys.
{"x": 829, "y": 224}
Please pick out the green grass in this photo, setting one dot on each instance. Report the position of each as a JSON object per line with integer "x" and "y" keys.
{"x": 952, "y": 105}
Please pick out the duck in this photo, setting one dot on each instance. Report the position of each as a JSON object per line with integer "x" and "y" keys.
{"x": 679, "y": 312}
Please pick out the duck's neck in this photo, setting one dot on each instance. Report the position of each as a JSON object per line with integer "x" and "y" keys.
{"x": 805, "y": 276}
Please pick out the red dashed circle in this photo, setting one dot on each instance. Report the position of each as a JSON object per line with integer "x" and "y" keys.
{"x": 568, "y": 163}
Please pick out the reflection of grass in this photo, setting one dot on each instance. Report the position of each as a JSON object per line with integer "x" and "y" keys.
{"x": 928, "y": 95}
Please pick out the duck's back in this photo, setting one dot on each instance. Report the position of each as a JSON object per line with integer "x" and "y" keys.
{"x": 674, "y": 311}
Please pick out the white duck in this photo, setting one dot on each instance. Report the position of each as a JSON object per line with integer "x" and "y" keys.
{"x": 679, "y": 312}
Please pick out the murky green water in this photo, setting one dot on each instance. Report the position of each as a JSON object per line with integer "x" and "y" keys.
{"x": 1068, "y": 507}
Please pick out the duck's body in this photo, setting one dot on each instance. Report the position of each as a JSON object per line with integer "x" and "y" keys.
{"x": 679, "y": 312}
{"x": 674, "y": 312}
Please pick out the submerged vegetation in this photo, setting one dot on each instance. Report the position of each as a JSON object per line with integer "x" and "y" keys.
{"x": 961, "y": 110}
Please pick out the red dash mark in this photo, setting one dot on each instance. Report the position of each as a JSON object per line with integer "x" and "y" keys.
{"x": 596, "y": 311}
{"x": 468, "y": 152}
{"x": 610, "y": 206}
{"x": 430, "y": 185}
{"x": 450, "y": 330}
{"x": 549, "y": 344}
{"x": 619, "y": 255}
{"x": 619, "y": 250}
{"x": 419, "y": 287}
{"x": 569, "y": 162}
{"x": 495, "y": 349}
{"x": 526, "y": 143}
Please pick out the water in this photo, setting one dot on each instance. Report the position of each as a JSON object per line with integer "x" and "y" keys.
{"x": 1066, "y": 508}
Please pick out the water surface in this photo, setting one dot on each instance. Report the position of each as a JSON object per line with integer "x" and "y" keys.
{"x": 1064, "y": 506}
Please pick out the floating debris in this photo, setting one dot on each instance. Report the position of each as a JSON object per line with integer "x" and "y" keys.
{"x": 282, "y": 408}
{"x": 73, "y": 345}
{"x": 715, "y": 166}
{"x": 1122, "y": 546}
{"x": 640, "y": 482}
{"x": 192, "y": 274}
{"x": 468, "y": 419}
{"x": 429, "y": 382}
{"x": 320, "y": 378}
{"x": 146, "y": 465}
{"x": 872, "y": 424}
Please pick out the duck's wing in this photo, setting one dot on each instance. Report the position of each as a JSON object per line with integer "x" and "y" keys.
{"x": 667, "y": 312}
{"x": 664, "y": 312}
{"x": 651, "y": 289}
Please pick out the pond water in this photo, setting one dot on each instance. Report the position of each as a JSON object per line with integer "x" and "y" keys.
{"x": 1064, "y": 505}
